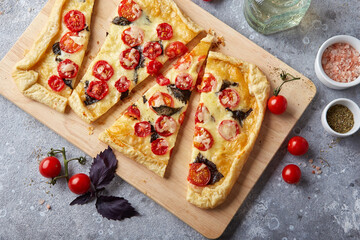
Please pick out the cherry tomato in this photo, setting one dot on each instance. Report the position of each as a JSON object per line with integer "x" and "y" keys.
{"x": 129, "y": 58}
{"x": 50, "y": 167}
{"x": 133, "y": 111}
{"x": 184, "y": 63}
{"x": 160, "y": 98}
{"x": 277, "y": 104}
{"x": 97, "y": 89}
{"x": 67, "y": 69}
{"x": 202, "y": 114}
{"x": 184, "y": 81}
{"x": 79, "y": 183}
{"x": 298, "y": 146}
{"x": 142, "y": 129}
{"x": 203, "y": 139}
{"x": 67, "y": 44}
{"x": 123, "y": 84}
{"x": 164, "y": 31}
{"x": 291, "y": 174}
{"x": 152, "y": 50}
{"x": 176, "y": 49}
{"x": 56, "y": 83}
{"x": 153, "y": 67}
{"x": 229, "y": 98}
{"x": 199, "y": 174}
{"x": 75, "y": 20}
{"x": 162, "y": 81}
{"x": 129, "y": 10}
{"x": 160, "y": 146}
{"x": 103, "y": 70}
{"x": 133, "y": 36}
{"x": 229, "y": 129}
{"x": 182, "y": 118}
{"x": 208, "y": 83}
{"x": 165, "y": 126}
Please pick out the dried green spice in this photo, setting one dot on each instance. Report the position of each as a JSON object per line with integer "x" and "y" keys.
{"x": 340, "y": 118}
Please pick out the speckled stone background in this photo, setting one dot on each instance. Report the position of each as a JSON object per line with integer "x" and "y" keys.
{"x": 322, "y": 206}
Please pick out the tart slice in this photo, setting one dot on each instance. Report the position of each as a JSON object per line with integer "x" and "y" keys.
{"x": 48, "y": 72}
{"x": 143, "y": 35}
{"x": 147, "y": 131}
{"x": 227, "y": 123}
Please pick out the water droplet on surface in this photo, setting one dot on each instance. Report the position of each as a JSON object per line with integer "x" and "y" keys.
{"x": 251, "y": 37}
{"x": 325, "y": 27}
{"x": 98, "y": 220}
{"x": 297, "y": 130}
{"x": 317, "y": 24}
{"x": 101, "y": 232}
{"x": 306, "y": 40}
{"x": 291, "y": 228}
{"x": 284, "y": 238}
{"x": 110, "y": 232}
{"x": 2, "y": 213}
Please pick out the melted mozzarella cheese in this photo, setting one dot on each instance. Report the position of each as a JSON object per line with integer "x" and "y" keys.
{"x": 135, "y": 33}
{"x": 228, "y": 130}
{"x": 204, "y": 139}
{"x": 131, "y": 60}
{"x": 67, "y": 68}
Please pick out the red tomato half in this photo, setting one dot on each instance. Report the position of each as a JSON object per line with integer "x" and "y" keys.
{"x": 184, "y": 81}
{"x": 291, "y": 174}
{"x": 184, "y": 63}
{"x": 182, "y": 118}
{"x": 67, "y": 69}
{"x": 208, "y": 83}
{"x": 79, "y": 183}
{"x": 129, "y": 10}
{"x": 56, "y": 83}
{"x": 50, "y": 167}
{"x": 67, "y": 44}
{"x": 97, "y": 89}
{"x": 133, "y": 36}
{"x": 203, "y": 139}
{"x": 160, "y": 146}
{"x": 176, "y": 49}
{"x": 129, "y": 58}
{"x": 153, "y": 67}
{"x": 229, "y": 98}
{"x": 199, "y": 174}
{"x": 75, "y": 20}
{"x": 160, "y": 98}
{"x": 165, "y": 126}
{"x": 162, "y": 81}
{"x": 103, "y": 70}
{"x": 152, "y": 50}
{"x": 133, "y": 111}
{"x": 298, "y": 146}
{"x": 164, "y": 31}
{"x": 277, "y": 104}
{"x": 229, "y": 129}
{"x": 142, "y": 129}
{"x": 123, "y": 84}
{"x": 202, "y": 114}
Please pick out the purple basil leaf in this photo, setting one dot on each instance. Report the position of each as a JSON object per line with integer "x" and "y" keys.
{"x": 115, "y": 208}
{"x": 84, "y": 199}
{"x": 103, "y": 169}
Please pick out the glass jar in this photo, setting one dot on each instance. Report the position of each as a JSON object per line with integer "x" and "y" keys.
{"x": 270, "y": 16}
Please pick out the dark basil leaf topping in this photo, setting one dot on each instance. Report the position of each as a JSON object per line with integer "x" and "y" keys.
{"x": 239, "y": 115}
{"x": 215, "y": 174}
{"x": 144, "y": 99}
{"x": 124, "y": 94}
{"x": 142, "y": 58}
{"x": 165, "y": 110}
{"x": 107, "y": 34}
{"x": 87, "y": 28}
{"x": 154, "y": 136}
{"x": 182, "y": 95}
{"x": 68, "y": 83}
{"x": 84, "y": 199}
{"x": 56, "y": 48}
{"x": 57, "y": 59}
{"x": 89, "y": 100}
{"x": 115, "y": 208}
{"x": 148, "y": 19}
{"x": 121, "y": 21}
{"x": 227, "y": 84}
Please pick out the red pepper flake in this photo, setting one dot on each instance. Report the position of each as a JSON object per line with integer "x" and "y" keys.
{"x": 341, "y": 62}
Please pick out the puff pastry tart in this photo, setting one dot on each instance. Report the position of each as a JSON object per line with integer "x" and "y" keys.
{"x": 48, "y": 72}
{"x": 147, "y": 131}
{"x": 143, "y": 35}
{"x": 227, "y": 122}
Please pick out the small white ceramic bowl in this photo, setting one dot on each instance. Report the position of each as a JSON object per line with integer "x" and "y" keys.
{"x": 320, "y": 73}
{"x": 353, "y": 107}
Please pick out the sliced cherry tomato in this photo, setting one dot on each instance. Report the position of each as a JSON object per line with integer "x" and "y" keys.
{"x": 133, "y": 111}
{"x": 123, "y": 84}
{"x": 229, "y": 98}
{"x": 79, "y": 183}
{"x": 162, "y": 81}
{"x": 142, "y": 129}
{"x": 160, "y": 99}
{"x": 165, "y": 126}
{"x": 50, "y": 167}
{"x": 75, "y": 20}
{"x": 164, "y": 31}
{"x": 67, "y": 69}
{"x": 97, "y": 89}
{"x": 200, "y": 76}
{"x": 298, "y": 146}
{"x": 203, "y": 139}
{"x": 184, "y": 63}
{"x": 56, "y": 83}
{"x": 291, "y": 174}
{"x": 129, "y": 58}
{"x": 152, "y": 50}
{"x": 133, "y": 36}
{"x": 182, "y": 118}
{"x": 199, "y": 174}
{"x": 202, "y": 114}
{"x": 129, "y": 10}
{"x": 67, "y": 43}
{"x": 160, "y": 146}
{"x": 103, "y": 70}
{"x": 208, "y": 83}
{"x": 176, "y": 49}
{"x": 153, "y": 67}
{"x": 277, "y": 104}
{"x": 229, "y": 129}
{"x": 184, "y": 81}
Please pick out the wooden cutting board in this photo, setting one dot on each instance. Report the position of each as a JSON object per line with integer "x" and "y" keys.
{"x": 170, "y": 191}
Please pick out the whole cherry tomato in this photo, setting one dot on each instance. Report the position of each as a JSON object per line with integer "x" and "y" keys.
{"x": 50, "y": 167}
{"x": 291, "y": 174}
{"x": 79, "y": 183}
{"x": 277, "y": 104}
{"x": 298, "y": 146}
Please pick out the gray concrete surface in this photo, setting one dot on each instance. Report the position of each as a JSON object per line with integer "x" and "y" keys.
{"x": 325, "y": 206}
